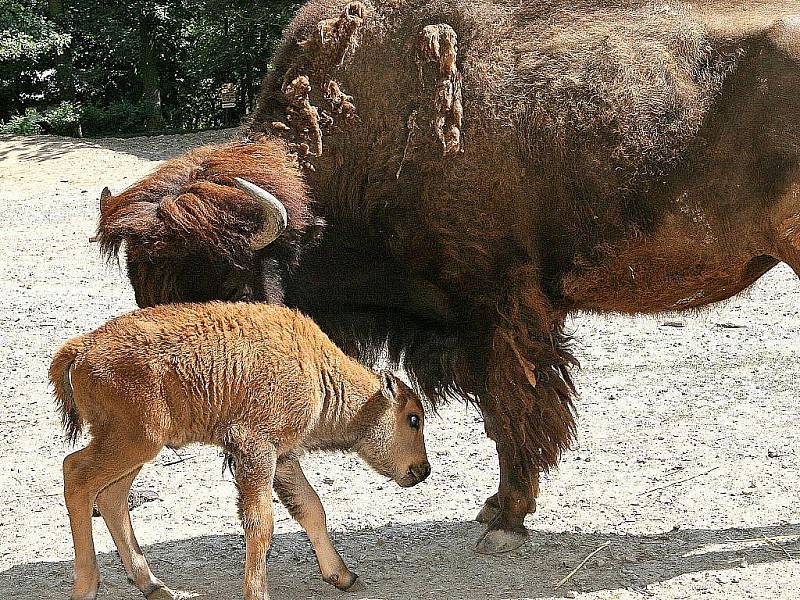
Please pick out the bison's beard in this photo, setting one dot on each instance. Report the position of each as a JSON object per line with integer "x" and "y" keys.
{"x": 516, "y": 370}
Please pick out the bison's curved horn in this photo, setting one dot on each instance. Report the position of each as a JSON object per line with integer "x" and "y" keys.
{"x": 275, "y": 217}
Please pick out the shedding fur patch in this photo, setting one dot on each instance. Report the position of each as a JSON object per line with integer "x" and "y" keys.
{"x": 326, "y": 49}
{"x": 438, "y": 47}
{"x": 336, "y": 38}
{"x": 411, "y": 126}
{"x": 341, "y": 105}
{"x": 304, "y": 117}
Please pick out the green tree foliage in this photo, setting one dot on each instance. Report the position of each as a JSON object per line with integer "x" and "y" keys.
{"x": 29, "y": 43}
{"x": 135, "y": 66}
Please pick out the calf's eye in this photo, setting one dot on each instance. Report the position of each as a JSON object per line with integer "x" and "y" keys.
{"x": 413, "y": 420}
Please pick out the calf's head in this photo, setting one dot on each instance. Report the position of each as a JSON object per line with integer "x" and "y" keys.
{"x": 391, "y": 438}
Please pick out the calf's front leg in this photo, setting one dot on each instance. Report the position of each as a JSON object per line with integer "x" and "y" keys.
{"x": 304, "y": 505}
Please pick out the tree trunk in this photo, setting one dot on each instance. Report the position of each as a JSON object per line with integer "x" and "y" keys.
{"x": 148, "y": 71}
{"x": 63, "y": 66}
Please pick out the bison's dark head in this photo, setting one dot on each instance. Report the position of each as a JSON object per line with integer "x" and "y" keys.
{"x": 220, "y": 222}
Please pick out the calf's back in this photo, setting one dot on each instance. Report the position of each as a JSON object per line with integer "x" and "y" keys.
{"x": 188, "y": 373}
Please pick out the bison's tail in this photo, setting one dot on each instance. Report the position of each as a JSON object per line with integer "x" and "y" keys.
{"x": 62, "y": 384}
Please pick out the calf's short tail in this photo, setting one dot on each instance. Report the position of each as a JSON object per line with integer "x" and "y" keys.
{"x": 62, "y": 384}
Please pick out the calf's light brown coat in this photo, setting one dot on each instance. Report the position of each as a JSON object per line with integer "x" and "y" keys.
{"x": 261, "y": 381}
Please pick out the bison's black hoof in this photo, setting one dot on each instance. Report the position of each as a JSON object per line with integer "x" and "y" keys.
{"x": 500, "y": 541}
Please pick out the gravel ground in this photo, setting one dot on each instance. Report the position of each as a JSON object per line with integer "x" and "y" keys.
{"x": 705, "y": 411}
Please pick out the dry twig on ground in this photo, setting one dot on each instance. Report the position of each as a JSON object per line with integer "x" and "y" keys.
{"x": 583, "y": 562}
{"x": 661, "y": 487}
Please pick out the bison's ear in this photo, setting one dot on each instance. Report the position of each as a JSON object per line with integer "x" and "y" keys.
{"x": 389, "y": 385}
{"x": 785, "y": 35}
{"x": 105, "y": 196}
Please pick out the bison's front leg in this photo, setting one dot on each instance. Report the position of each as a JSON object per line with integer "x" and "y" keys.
{"x": 505, "y": 511}
{"x": 527, "y": 408}
{"x": 491, "y": 508}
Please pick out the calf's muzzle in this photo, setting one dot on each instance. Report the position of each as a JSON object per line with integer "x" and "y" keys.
{"x": 418, "y": 473}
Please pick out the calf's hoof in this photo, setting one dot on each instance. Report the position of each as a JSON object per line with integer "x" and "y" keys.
{"x": 500, "y": 541}
{"x": 162, "y": 593}
{"x": 346, "y": 583}
{"x": 87, "y": 592}
{"x": 356, "y": 586}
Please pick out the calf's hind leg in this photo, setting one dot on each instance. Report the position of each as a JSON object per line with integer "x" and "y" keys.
{"x": 254, "y": 470}
{"x": 113, "y": 504}
{"x": 86, "y": 473}
{"x": 304, "y": 505}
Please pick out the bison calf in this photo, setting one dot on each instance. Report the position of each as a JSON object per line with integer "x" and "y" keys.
{"x": 263, "y": 382}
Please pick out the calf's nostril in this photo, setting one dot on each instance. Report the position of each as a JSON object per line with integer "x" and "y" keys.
{"x": 420, "y": 471}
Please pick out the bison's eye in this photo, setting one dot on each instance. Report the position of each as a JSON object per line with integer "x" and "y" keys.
{"x": 413, "y": 420}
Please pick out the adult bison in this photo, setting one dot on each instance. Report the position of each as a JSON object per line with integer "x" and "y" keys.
{"x": 486, "y": 168}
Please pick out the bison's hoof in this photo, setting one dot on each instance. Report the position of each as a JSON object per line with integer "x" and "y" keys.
{"x": 356, "y": 586}
{"x": 162, "y": 593}
{"x": 499, "y": 541}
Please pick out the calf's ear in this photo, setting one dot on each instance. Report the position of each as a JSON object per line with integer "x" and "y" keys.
{"x": 785, "y": 35}
{"x": 388, "y": 385}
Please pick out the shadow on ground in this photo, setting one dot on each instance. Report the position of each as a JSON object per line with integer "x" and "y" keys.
{"x": 429, "y": 559}
{"x": 41, "y": 148}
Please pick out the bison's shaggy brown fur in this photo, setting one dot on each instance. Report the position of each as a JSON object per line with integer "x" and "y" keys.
{"x": 263, "y": 382}
{"x": 189, "y": 230}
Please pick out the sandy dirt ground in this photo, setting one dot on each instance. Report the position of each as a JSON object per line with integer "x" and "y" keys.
{"x": 714, "y": 401}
